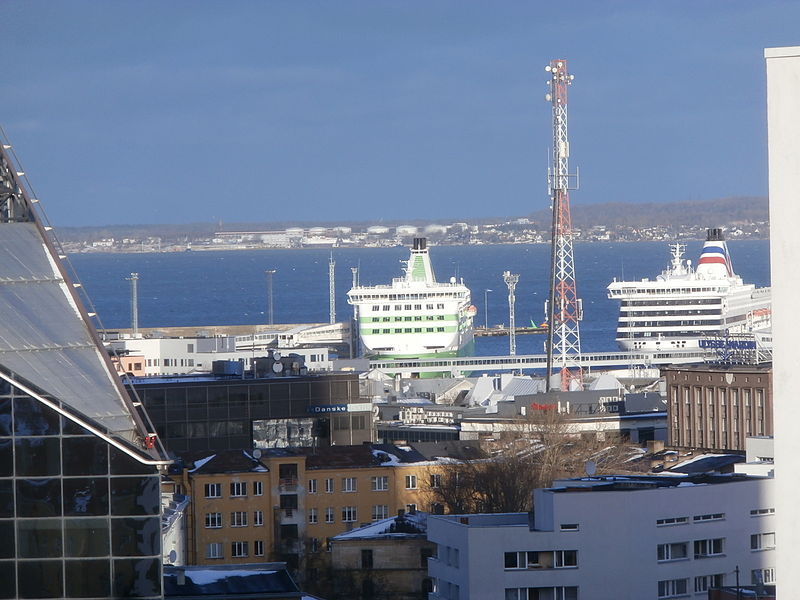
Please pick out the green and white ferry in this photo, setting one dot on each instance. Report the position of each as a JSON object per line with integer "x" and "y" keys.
{"x": 415, "y": 316}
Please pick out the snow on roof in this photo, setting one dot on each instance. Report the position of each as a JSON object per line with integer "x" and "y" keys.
{"x": 204, "y": 577}
{"x": 199, "y": 463}
{"x": 382, "y": 528}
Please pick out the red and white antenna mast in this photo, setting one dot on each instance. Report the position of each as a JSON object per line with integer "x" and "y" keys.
{"x": 564, "y": 308}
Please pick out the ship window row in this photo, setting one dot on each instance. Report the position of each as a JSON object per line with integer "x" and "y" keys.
{"x": 388, "y": 307}
{"x": 682, "y": 302}
{"x": 401, "y": 297}
{"x": 413, "y": 330}
{"x": 694, "y": 322}
{"x": 661, "y": 334}
{"x": 669, "y": 313}
{"x": 660, "y": 290}
{"x": 408, "y": 318}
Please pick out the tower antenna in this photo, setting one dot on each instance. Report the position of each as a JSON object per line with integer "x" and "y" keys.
{"x": 332, "y": 288}
{"x": 134, "y": 279}
{"x": 564, "y": 308}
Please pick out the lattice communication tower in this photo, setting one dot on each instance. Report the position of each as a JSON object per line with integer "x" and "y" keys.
{"x": 511, "y": 280}
{"x": 564, "y": 308}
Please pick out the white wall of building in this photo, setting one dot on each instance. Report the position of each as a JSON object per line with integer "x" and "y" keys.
{"x": 783, "y": 117}
{"x": 616, "y": 535}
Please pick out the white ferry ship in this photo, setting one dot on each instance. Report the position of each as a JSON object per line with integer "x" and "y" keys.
{"x": 685, "y": 307}
{"x": 414, "y": 316}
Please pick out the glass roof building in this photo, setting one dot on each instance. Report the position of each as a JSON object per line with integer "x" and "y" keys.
{"x": 79, "y": 466}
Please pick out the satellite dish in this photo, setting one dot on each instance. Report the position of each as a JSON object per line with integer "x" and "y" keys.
{"x": 257, "y": 453}
{"x": 276, "y": 355}
{"x": 277, "y": 367}
{"x": 590, "y": 468}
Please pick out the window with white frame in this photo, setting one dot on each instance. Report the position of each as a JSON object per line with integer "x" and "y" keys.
{"x": 762, "y": 541}
{"x": 761, "y": 512}
{"x": 380, "y": 483}
{"x": 673, "y": 551}
{"x": 762, "y": 576}
{"x": 670, "y": 588}
{"x": 706, "y": 548}
{"x": 258, "y": 518}
{"x": 312, "y": 486}
{"x": 213, "y": 490}
{"x": 214, "y": 550}
{"x": 521, "y": 560}
{"x": 239, "y": 518}
{"x": 329, "y": 514}
{"x": 380, "y": 511}
{"x": 238, "y": 489}
{"x": 258, "y": 548}
{"x": 436, "y": 480}
{"x": 539, "y": 593}
{"x": 258, "y": 488}
{"x": 329, "y": 486}
{"x": 213, "y": 520}
{"x": 349, "y": 514}
{"x": 703, "y": 583}
{"x": 565, "y": 559}
{"x": 312, "y": 515}
{"x": 239, "y": 549}
{"x": 349, "y": 484}
{"x": 411, "y": 508}
{"x": 411, "y": 482}
{"x": 672, "y": 521}
{"x": 708, "y": 517}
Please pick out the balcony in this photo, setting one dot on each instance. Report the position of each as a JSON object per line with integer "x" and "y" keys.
{"x": 287, "y": 485}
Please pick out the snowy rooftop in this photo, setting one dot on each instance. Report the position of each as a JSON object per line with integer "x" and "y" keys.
{"x": 402, "y": 526}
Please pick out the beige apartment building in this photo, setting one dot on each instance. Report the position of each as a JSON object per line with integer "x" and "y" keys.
{"x": 717, "y": 407}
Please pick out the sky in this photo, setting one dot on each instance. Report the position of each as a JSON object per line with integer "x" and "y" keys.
{"x": 146, "y": 112}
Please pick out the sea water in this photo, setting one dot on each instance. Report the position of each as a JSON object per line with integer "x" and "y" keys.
{"x": 207, "y": 288}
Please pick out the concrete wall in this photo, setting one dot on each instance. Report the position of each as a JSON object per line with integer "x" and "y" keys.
{"x": 783, "y": 100}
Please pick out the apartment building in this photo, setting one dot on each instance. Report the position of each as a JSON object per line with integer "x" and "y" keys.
{"x": 611, "y": 538}
{"x": 286, "y": 504}
{"x": 718, "y": 407}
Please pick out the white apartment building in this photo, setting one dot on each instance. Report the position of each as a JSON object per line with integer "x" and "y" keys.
{"x": 183, "y": 356}
{"x": 611, "y": 538}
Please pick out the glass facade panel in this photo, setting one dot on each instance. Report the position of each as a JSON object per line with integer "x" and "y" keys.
{"x": 137, "y": 578}
{"x": 6, "y": 458}
{"x": 39, "y": 538}
{"x": 38, "y": 497}
{"x": 85, "y": 496}
{"x": 88, "y": 578}
{"x": 86, "y": 537}
{"x": 136, "y": 536}
{"x": 5, "y": 416}
{"x": 84, "y": 456}
{"x": 31, "y": 417}
{"x": 7, "y": 548}
{"x": 134, "y": 496}
{"x": 38, "y": 457}
{"x": 8, "y": 587}
{"x": 40, "y": 579}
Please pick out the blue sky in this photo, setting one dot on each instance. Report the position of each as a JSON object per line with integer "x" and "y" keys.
{"x": 176, "y": 112}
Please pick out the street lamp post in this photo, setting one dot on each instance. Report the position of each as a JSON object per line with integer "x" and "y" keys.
{"x": 269, "y": 273}
{"x": 486, "y": 308}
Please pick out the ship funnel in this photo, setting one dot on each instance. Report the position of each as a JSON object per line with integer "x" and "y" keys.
{"x": 714, "y": 235}
{"x": 420, "y": 243}
{"x": 715, "y": 262}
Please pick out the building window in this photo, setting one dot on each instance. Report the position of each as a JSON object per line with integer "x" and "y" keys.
{"x": 213, "y": 490}
{"x": 258, "y": 518}
{"x": 238, "y": 549}
{"x": 765, "y": 576}
{"x": 709, "y": 517}
{"x": 436, "y": 480}
{"x": 380, "y": 484}
{"x": 762, "y": 541}
{"x": 258, "y": 548}
{"x": 348, "y": 484}
{"x": 312, "y": 486}
{"x": 239, "y": 519}
{"x": 670, "y": 588}
{"x": 258, "y": 488}
{"x": 675, "y": 551}
{"x": 411, "y": 482}
{"x": 566, "y": 559}
{"x": 214, "y": 550}
{"x": 349, "y": 514}
{"x": 213, "y": 520}
{"x": 238, "y": 489}
{"x": 380, "y": 511}
{"x": 312, "y": 515}
{"x": 672, "y": 521}
{"x": 537, "y": 593}
{"x": 569, "y": 527}
{"x": 329, "y": 514}
{"x": 329, "y": 486}
{"x": 760, "y": 512}
{"x": 705, "y": 548}
{"x": 411, "y": 508}
{"x": 704, "y": 582}
{"x": 521, "y": 560}
{"x": 366, "y": 559}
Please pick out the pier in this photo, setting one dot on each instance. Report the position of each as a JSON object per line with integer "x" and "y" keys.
{"x": 500, "y": 330}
